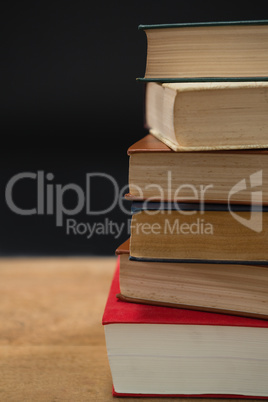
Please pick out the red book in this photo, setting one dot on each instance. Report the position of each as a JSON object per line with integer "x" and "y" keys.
{"x": 163, "y": 351}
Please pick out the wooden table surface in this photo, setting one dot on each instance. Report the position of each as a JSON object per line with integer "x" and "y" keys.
{"x": 52, "y": 345}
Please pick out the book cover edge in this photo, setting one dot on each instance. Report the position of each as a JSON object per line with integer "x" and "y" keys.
{"x": 138, "y": 206}
{"x": 202, "y": 79}
{"x": 143, "y": 27}
{"x": 222, "y": 396}
{"x": 197, "y": 307}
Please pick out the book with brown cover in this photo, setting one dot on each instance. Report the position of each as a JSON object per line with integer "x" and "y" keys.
{"x": 158, "y": 173}
{"x": 237, "y": 289}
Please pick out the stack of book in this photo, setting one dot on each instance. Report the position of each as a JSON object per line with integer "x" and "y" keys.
{"x": 187, "y": 313}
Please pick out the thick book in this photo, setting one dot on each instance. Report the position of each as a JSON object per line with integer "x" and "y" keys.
{"x": 199, "y": 232}
{"x": 213, "y": 177}
{"x": 210, "y": 51}
{"x": 208, "y": 115}
{"x": 224, "y": 288}
{"x": 162, "y": 351}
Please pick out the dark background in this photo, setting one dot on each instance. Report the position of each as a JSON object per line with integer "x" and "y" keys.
{"x": 70, "y": 105}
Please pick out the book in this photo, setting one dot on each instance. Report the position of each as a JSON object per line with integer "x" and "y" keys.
{"x": 198, "y": 233}
{"x": 160, "y": 174}
{"x": 224, "y": 288}
{"x": 208, "y": 115}
{"x": 232, "y": 50}
{"x": 162, "y": 351}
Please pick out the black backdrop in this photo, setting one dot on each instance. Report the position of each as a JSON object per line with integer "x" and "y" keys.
{"x": 70, "y": 106}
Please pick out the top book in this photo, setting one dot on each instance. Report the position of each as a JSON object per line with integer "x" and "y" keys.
{"x": 212, "y": 51}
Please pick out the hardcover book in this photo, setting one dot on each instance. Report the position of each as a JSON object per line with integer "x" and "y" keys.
{"x": 213, "y": 177}
{"x": 224, "y": 288}
{"x": 162, "y": 351}
{"x": 210, "y": 51}
{"x": 209, "y": 115}
{"x": 199, "y": 232}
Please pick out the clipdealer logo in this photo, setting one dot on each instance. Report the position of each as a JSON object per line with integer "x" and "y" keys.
{"x": 51, "y": 200}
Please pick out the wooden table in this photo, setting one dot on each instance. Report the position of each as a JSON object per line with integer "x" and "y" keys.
{"x": 52, "y": 345}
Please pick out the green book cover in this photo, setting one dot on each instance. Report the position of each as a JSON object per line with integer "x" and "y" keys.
{"x": 202, "y": 24}
{"x": 211, "y": 78}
